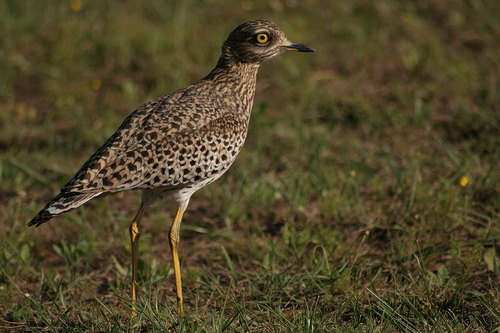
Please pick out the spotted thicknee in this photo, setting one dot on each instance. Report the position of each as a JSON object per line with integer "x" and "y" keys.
{"x": 178, "y": 143}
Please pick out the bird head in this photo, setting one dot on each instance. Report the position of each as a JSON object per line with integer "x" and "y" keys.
{"x": 258, "y": 41}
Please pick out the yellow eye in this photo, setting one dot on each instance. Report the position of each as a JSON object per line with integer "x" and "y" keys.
{"x": 262, "y": 38}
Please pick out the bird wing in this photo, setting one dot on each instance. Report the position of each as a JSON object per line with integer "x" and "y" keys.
{"x": 113, "y": 150}
{"x": 152, "y": 145}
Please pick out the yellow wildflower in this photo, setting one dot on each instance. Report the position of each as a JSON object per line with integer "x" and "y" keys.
{"x": 463, "y": 181}
{"x": 76, "y": 5}
{"x": 96, "y": 84}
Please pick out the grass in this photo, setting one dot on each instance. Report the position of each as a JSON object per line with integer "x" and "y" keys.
{"x": 366, "y": 198}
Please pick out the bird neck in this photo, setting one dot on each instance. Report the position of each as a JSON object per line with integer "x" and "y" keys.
{"x": 231, "y": 65}
{"x": 237, "y": 80}
{"x": 235, "y": 72}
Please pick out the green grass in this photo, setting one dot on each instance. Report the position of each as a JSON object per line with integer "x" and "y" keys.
{"x": 347, "y": 211}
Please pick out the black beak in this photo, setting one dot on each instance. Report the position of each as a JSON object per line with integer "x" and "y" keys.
{"x": 299, "y": 47}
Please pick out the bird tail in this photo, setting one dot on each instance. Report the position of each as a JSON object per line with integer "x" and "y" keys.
{"x": 62, "y": 203}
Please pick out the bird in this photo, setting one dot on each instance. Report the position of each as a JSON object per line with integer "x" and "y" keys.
{"x": 174, "y": 145}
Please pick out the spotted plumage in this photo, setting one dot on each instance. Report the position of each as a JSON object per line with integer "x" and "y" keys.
{"x": 186, "y": 139}
{"x": 180, "y": 142}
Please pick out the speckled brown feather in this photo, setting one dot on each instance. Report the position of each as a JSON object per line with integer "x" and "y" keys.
{"x": 186, "y": 139}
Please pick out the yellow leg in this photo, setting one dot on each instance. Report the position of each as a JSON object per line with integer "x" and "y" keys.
{"x": 134, "y": 240}
{"x": 174, "y": 242}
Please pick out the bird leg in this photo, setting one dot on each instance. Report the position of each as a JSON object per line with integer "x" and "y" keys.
{"x": 174, "y": 241}
{"x": 134, "y": 240}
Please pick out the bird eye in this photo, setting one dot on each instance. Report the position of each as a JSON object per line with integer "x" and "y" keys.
{"x": 262, "y": 38}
